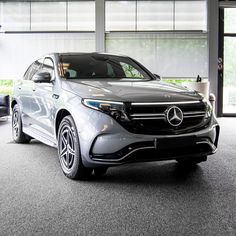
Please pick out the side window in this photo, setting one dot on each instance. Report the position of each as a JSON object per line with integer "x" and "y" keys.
{"x": 110, "y": 71}
{"x": 70, "y": 74}
{"x": 27, "y": 73}
{"x": 130, "y": 71}
{"x": 33, "y": 69}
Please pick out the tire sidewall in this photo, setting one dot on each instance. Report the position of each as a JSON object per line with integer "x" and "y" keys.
{"x": 77, "y": 164}
{"x": 20, "y": 132}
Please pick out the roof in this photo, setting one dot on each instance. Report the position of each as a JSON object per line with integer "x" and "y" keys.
{"x": 87, "y": 53}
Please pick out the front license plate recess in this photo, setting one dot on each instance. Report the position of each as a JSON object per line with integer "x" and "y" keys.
{"x": 165, "y": 143}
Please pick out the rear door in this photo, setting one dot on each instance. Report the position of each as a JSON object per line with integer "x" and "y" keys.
{"x": 24, "y": 92}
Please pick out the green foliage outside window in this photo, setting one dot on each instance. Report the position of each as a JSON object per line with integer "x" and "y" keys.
{"x": 6, "y": 87}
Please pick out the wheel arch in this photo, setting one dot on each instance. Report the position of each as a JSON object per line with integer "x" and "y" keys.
{"x": 13, "y": 103}
{"x": 59, "y": 117}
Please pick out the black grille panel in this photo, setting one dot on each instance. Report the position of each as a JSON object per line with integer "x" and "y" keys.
{"x": 151, "y": 119}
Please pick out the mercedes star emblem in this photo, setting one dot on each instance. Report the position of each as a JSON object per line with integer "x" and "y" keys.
{"x": 174, "y": 116}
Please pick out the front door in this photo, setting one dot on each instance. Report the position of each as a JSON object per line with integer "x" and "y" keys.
{"x": 42, "y": 106}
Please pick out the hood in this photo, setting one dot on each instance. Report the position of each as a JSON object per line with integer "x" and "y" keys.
{"x": 130, "y": 91}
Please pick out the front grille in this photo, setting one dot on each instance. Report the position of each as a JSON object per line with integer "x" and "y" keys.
{"x": 150, "y": 118}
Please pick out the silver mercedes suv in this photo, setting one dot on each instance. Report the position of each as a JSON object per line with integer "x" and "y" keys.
{"x": 102, "y": 110}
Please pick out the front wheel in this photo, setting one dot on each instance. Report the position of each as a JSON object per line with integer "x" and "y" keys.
{"x": 69, "y": 151}
{"x": 17, "y": 133}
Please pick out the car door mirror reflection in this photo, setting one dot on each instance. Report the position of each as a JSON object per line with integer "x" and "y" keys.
{"x": 42, "y": 77}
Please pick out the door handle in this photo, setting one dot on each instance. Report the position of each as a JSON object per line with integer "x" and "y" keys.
{"x": 55, "y": 96}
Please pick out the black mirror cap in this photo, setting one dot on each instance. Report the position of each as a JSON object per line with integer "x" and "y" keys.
{"x": 158, "y": 77}
{"x": 42, "y": 77}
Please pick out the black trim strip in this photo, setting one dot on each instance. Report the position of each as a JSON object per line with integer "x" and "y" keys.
{"x": 46, "y": 32}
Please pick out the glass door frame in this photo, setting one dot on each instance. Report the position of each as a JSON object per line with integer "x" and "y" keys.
{"x": 222, "y": 36}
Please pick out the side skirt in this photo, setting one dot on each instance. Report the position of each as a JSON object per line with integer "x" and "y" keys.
{"x": 40, "y": 136}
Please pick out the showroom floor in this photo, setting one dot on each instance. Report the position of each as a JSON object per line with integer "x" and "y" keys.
{"x": 138, "y": 199}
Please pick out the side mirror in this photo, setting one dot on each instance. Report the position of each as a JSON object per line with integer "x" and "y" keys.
{"x": 42, "y": 77}
{"x": 158, "y": 77}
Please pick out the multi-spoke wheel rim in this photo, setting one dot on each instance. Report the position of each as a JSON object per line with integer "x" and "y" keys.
{"x": 15, "y": 124}
{"x": 67, "y": 148}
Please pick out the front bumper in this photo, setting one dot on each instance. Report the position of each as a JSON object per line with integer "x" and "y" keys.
{"x": 160, "y": 147}
{"x": 104, "y": 142}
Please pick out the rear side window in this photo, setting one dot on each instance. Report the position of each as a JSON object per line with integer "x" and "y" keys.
{"x": 33, "y": 69}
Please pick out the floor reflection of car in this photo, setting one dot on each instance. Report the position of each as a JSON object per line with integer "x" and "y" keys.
{"x": 103, "y": 110}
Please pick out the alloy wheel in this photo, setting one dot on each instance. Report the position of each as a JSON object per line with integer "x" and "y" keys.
{"x": 67, "y": 148}
{"x": 15, "y": 124}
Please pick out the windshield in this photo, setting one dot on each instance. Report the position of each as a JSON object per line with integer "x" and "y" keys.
{"x": 97, "y": 66}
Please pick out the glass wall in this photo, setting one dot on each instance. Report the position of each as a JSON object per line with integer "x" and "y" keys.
{"x": 169, "y": 37}
{"x": 81, "y": 16}
{"x": 15, "y": 16}
{"x": 48, "y": 16}
{"x": 120, "y": 15}
{"x": 230, "y": 20}
{"x": 51, "y": 26}
{"x": 22, "y": 49}
{"x": 229, "y": 68}
{"x": 156, "y": 15}
{"x": 171, "y": 56}
{"x": 191, "y": 15}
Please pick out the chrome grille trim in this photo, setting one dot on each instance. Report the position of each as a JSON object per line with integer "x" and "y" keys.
{"x": 193, "y": 116}
{"x": 148, "y": 118}
{"x": 194, "y": 113}
{"x": 162, "y": 103}
{"x": 159, "y": 116}
{"x": 147, "y": 114}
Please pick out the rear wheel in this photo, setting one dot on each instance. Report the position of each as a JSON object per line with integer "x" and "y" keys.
{"x": 192, "y": 160}
{"x": 69, "y": 151}
{"x": 18, "y": 135}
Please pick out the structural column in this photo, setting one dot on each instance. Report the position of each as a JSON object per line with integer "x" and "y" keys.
{"x": 213, "y": 42}
{"x": 100, "y": 25}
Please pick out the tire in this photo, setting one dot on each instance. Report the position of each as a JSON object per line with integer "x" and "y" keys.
{"x": 69, "y": 151}
{"x": 100, "y": 171}
{"x": 192, "y": 161}
{"x": 18, "y": 135}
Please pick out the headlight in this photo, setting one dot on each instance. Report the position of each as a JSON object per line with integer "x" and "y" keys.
{"x": 209, "y": 109}
{"x": 114, "y": 109}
